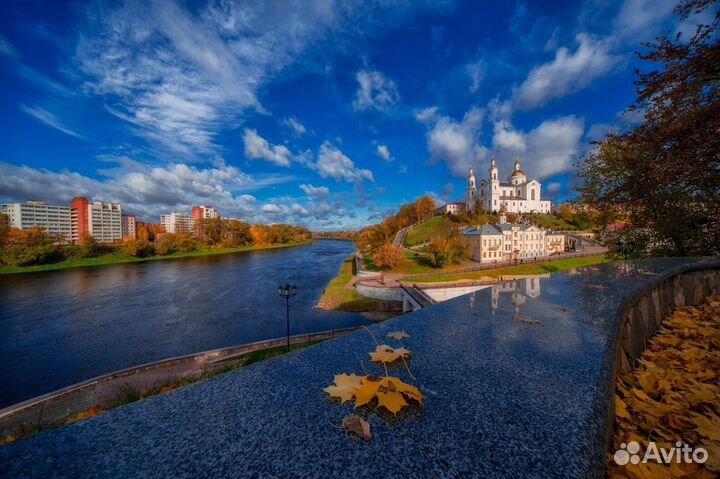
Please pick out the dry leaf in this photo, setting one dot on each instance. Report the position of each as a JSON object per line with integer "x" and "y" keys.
{"x": 344, "y": 387}
{"x": 357, "y": 425}
{"x": 673, "y": 394}
{"x": 398, "y": 335}
{"x": 391, "y": 392}
{"x": 385, "y": 354}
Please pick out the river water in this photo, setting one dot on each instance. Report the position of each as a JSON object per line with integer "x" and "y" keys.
{"x": 62, "y": 327}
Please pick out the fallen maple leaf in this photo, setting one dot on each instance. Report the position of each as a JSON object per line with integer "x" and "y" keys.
{"x": 358, "y": 426}
{"x": 391, "y": 393}
{"x": 344, "y": 387}
{"x": 385, "y": 354}
{"x": 398, "y": 335}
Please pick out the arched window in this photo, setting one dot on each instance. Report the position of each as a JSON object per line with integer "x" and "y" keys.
{"x": 532, "y": 194}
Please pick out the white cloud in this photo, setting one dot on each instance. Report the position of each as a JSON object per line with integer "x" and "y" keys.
{"x": 144, "y": 190}
{"x": 384, "y": 153}
{"x": 456, "y": 143}
{"x": 49, "y": 119}
{"x": 271, "y": 208}
{"x": 375, "y": 92}
{"x": 7, "y": 50}
{"x": 426, "y": 114}
{"x": 315, "y": 191}
{"x": 179, "y": 74}
{"x": 402, "y": 169}
{"x": 257, "y": 147}
{"x": 296, "y": 126}
{"x": 640, "y": 18}
{"x": 548, "y": 149}
{"x": 476, "y": 72}
{"x": 333, "y": 163}
{"x": 567, "y": 73}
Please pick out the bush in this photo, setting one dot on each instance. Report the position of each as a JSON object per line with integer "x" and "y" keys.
{"x": 175, "y": 243}
{"x": 442, "y": 251}
{"x": 139, "y": 248}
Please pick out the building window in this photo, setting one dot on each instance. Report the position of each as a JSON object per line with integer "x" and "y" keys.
{"x": 532, "y": 194}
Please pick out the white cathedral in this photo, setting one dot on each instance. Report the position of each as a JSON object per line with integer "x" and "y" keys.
{"x": 518, "y": 195}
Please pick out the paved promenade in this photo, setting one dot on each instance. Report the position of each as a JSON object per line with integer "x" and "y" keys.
{"x": 504, "y": 398}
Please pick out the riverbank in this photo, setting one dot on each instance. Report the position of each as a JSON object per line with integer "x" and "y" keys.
{"x": 340, "y": 295}
{"x": 519, "y": 270}
{"x": 119, "y": 258}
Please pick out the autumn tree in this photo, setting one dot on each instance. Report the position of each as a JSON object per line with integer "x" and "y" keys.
{"x": 446, "y": 250}
{"x": 425, "y": 207}
{"x": 387, "y": 256}
{"x": 664, "y": 173}
{"x": 33, "y": 246}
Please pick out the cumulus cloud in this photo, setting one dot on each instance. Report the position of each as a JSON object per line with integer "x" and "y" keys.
{"x": 375, "y": 92}
{"x": 44, "y": 116}
{"x": 384, "y": 153}
{"x": 142, "y": 189}
{"x": 333, "y": 163}
{"x": 315, "y": 191}
{"x": 455, "y": 143}
{"x": 548, "y": 149}
{"x": 426, "y": 114}
{"x": 295, "y": 125}
{"x": 257, "y": 147}
{"x": 567, "y": 73}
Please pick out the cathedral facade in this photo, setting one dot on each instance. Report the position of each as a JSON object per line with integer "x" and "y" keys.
{"x": 517, "y": 195}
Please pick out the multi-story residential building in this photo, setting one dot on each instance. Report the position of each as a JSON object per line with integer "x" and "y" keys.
{"x": 495, "y": 243}
{"x": 178, "y": 223}
{"x": 102, "y": 221}
{"x": 554, "y": 242}
{"x": 55, "y": 219}
{"x": 204, "y": 212}
{"x": 129, "y": 224}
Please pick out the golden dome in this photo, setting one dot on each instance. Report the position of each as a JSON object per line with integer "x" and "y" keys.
{"x": 517, "y": 173}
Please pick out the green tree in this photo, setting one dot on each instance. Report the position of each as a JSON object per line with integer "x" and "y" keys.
{"x": 663, "y": 175}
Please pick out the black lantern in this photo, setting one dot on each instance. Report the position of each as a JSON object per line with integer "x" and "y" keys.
{"x": 286, "y": 292}
{"x": 625, "y": 248}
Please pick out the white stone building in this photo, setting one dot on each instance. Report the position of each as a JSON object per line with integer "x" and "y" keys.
{"x": 55, "y": 219}
{"x": 450, "y": 209}
{"x": 105, "y": 221}
{"x": 498, "y": 243}
{"x": 178, "y": 223}
{"x": 517, "y": 195}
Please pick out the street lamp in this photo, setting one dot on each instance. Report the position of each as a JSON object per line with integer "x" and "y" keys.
{"x": 286, "y": 292}
{"x": 625, "y": 248}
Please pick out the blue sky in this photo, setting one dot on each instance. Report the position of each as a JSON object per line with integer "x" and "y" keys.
{"x": 323, "y": 113}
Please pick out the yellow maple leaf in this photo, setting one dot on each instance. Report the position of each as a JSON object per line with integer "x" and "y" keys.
{"x": 385, "y": 354}
{"x": 391, "y": 392}
{"x": 344, "y": 387}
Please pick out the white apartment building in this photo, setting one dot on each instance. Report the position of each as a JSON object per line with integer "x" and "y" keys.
{"x": 105, "y": 221}
{"x": 496, "y": 243}
{"x": 55, "y": 219}
{"x": 178, "y": 223}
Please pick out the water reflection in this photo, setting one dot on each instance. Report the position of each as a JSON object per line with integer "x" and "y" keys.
{"x": 58, "y": 328}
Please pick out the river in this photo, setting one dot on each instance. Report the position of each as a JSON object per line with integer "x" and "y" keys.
{"x": 62, "y": 327}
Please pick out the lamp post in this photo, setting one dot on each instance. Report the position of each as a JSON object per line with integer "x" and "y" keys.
{"x": 286, "y": 292}
{"x": 625, "y": 248}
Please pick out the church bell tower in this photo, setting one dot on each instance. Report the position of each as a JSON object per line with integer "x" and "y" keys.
{"x": 471, "y": 191}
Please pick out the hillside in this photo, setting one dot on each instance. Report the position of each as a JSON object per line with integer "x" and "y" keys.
{"x": 435, "y": 226}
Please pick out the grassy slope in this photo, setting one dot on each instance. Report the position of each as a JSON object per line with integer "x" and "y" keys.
{"x": 523, "y": 269}
{"x": 435, "y": 226}
{"x": 550, "y": 222}
{"x": 116, "y": 258}
{"x": 341, "y": 296}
